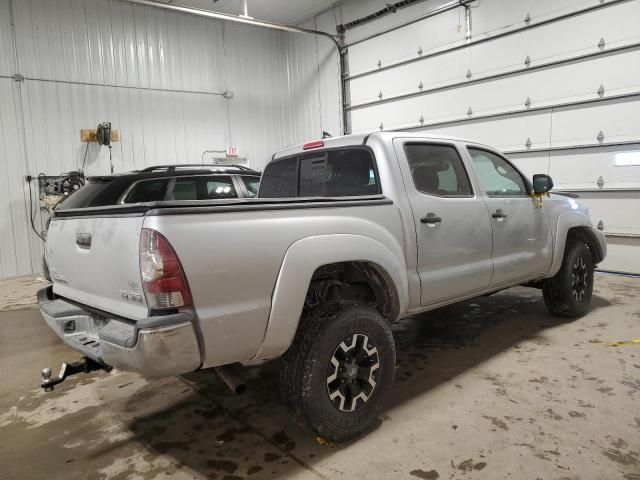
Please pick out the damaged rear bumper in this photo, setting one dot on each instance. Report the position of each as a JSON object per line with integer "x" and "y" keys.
{"x": 156, "y": 346}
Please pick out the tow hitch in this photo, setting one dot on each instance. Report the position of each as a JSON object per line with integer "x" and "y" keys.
{"x": 85, "y": 365}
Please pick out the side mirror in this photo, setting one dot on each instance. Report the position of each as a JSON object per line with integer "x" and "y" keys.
{"x": 542, "y": 183}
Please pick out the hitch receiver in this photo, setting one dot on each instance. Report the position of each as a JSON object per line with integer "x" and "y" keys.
{"x": 85, "y": 365}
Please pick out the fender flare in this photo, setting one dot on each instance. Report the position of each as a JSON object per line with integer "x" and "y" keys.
{"x": 300, "y": 262}
{"x": 567, "y": 221}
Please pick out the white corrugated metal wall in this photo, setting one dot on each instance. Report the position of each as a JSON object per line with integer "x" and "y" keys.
{"x": 560, "y": 94}
{"x": 159, "y": 77}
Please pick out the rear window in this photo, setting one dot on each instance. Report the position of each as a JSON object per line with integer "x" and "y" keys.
{"x": 332, "y": 173}
{"x": 148, "y": 191}
{"x": 95, "y": 193}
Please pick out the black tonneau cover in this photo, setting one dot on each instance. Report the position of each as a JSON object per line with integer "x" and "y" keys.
{"x": 194, "y": 207}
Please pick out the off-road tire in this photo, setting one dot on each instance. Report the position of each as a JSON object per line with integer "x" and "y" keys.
{"x": 307, "y": 368}
{"x": 568, "y": 293}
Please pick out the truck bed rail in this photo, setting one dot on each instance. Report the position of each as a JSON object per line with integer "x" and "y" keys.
{"x": 192, "y": 207}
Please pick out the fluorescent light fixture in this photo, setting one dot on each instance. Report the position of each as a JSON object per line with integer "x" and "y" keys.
{"x": 627, "y": 159}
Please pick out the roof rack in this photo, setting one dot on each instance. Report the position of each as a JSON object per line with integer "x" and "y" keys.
{"x": 172, "y": 168}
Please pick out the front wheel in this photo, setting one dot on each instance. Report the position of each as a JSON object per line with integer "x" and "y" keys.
{"x": 568, "y": 293}
{"x": 339, "y": 371}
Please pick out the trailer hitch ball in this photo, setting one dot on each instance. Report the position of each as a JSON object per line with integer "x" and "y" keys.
{"x": 46, "y": 376}
{"x": 85, "y": 365}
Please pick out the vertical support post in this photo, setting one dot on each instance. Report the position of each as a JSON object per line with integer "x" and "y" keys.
{"x": 344, "y": 87}
{"x": 467, "y": 19}
{"x": 245, "y": 9}
{"x": 345, "y": 92}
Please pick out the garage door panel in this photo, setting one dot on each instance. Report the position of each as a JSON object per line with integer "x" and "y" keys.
{"x": 396, "y": 45}
{"x": 618, "y": 215}
{"x": 622, "y": 254}
{"x": 619, "y": 121}
{"x": 403, "y": 43}
{"x": 495, "y": 15}
{"x": 612, "y": 208}
{"x": 616, "y": 24}
{"x": 581, "y": 168}
{"x": 576, "y": 81}
{"x": 531, "y": 163}
{"x": 442, "y": 31}
{"x": 504, "y": 134}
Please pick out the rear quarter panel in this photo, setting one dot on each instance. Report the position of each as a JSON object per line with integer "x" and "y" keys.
{"x": 232, "y": 261}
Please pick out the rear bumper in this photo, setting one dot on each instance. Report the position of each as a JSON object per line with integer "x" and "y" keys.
{"x": 156, "y": 346}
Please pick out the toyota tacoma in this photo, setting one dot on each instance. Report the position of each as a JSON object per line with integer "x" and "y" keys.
{"x": 346, "y": 236}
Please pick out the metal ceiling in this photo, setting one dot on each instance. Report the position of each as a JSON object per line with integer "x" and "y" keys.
{"x": 280, "y": 11}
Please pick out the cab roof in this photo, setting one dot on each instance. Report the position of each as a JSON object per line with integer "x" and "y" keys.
{"x": 362, "y": 138}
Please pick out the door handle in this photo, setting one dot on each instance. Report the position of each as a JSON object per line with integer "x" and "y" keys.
{"x": 83, "y": 240}
{"x": 431, "y": 218}
{"x": 499, "y": 214}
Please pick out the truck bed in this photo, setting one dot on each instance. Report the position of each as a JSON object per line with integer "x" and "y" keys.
{"x": 231, "y": 252}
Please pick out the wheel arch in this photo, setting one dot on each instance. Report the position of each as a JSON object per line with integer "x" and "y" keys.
{"x": 382, "y": 266}
{"x": 575, "y": 226}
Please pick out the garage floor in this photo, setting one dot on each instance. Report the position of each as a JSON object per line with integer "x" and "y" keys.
{"x": 492, "y": 388}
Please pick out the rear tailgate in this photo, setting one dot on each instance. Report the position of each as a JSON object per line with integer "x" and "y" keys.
{"x": 94, "y": 260}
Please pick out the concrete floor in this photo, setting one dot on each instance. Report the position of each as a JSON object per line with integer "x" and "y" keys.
{"x": 493, "y": 388}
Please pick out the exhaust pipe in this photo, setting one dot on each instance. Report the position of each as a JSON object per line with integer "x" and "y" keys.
{"x": 229, "y": 375}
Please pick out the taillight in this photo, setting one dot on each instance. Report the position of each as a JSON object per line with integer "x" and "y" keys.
{"x": 165, "y": 285}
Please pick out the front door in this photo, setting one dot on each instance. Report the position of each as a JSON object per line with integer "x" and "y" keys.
{"x": 522, "y": 243}
{"x": 453, "y": 227}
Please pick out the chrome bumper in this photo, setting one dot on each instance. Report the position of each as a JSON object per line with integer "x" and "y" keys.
{"x": 155, "y": 347}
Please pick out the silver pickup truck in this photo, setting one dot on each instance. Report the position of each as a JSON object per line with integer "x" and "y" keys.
{"x": 347, "y": 235}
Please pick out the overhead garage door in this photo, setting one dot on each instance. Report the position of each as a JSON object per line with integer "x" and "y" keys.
{"x": 553, "y": 84}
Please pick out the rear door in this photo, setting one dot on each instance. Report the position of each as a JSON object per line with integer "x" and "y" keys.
{"x": 522, "y": 242}
{"x": 453, "y": 228}
{"x": 94, "y": 260}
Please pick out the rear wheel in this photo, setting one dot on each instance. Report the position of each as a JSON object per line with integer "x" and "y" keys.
{"x": 339, "y": 371}
{"x": 568, "y": 293}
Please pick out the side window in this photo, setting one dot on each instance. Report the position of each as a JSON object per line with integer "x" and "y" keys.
{"x": 219, "y": 187}
{"x": 496, "y": 175}
{"x": 251, "y": 184}
{"x": 280, "y": 179}
{"x": 437, "y": 170}
{"x": 147, "y": 191}
{"x": 185, "y": 189}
